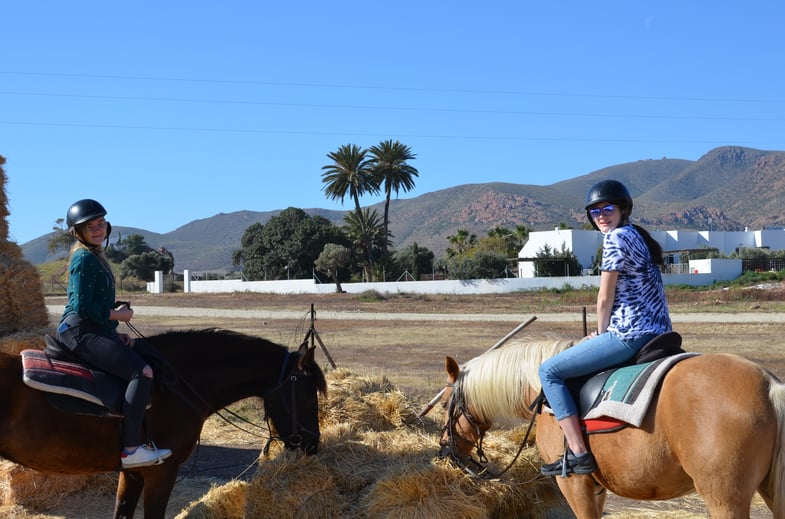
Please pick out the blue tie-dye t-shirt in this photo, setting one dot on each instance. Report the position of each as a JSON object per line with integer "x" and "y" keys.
{"x": 639, "y": 306}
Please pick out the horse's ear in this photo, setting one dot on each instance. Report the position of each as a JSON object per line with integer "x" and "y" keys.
{"x": 305, "y": 356}
{"x": 452, "y": 369}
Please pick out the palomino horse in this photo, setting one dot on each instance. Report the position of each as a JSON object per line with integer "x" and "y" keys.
{"x": 213, "y": 369}
{"x": 715, "y": 427}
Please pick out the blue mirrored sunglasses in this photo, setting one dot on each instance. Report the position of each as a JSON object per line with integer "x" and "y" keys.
{"x": 605, "y": 211}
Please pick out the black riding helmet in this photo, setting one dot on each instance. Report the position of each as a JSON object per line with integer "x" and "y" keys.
{"x": 611, "y": 191}
{"x": 82, "y": 211}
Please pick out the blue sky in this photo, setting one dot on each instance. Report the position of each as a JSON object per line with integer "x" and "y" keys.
{"x": 168, "y": 112}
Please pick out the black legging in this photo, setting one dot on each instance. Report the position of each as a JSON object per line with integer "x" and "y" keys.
{"x": 110, "y": 355}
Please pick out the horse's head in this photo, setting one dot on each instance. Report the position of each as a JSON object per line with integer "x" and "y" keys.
{"x": 461, "y": 432}
{"x": 293, "y": 405}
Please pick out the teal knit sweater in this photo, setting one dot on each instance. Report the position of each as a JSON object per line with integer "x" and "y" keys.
{"x": 91, "y": 292}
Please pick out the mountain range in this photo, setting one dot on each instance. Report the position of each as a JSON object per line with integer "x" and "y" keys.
{"x": 729, "y": 188}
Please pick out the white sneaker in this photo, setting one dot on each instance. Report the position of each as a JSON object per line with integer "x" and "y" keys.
{"x": 144, "y": 456}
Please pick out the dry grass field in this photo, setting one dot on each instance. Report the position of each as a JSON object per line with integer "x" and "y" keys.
{"x": 410, "y": 353}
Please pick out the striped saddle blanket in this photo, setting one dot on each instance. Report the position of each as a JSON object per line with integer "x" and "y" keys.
{"x": 73, "y": 387}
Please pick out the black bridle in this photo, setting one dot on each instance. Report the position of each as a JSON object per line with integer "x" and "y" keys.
{"x": 456, "y": 407}
{"x": 295, "y": 439}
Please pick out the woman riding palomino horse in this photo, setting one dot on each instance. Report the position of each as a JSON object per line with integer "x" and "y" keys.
{"x": 88, "y": 327}
{"x": 631, "y": 310}
{"x": 716, "y": 426}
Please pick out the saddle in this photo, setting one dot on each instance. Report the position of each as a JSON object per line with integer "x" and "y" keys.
{"x": 71, "y": 385}
{"x": 588, "y": 391}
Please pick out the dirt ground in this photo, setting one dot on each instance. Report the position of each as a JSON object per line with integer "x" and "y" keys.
{"x": 410, "y": 353}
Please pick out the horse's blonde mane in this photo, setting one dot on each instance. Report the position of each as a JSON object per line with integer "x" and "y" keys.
{"x": 495, "y": 384}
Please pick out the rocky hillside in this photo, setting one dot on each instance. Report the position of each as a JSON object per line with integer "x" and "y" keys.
{"x": 729, "y": 188}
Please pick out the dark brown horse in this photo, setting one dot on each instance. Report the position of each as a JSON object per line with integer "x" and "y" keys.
{"x": 716, "y": 426}
{"x": 213, "y": 369}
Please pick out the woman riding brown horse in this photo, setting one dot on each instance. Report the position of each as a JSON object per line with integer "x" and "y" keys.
{"x": 213, "y": 368}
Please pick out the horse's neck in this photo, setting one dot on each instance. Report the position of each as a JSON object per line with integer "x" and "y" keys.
{"x": 232, "y": 374}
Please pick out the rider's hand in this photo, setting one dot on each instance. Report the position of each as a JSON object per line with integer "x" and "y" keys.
{"x": 124, "y": 313}
{"x": 126, "y": 339}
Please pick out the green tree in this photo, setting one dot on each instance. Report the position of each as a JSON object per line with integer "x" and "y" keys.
{"x": 520, "y": 237}
{"x": 414, "y": 259}
{"x": 251, "y": 253}
{"x": 144, "y": 265}
{"x": 499, "y": 239}
{"x": 350, "y": 174}
{"x": 391, "y": 171}
{"x": 482, "y": 265}
{"x": 361, "y": 232}
{"x": 554, "y": 263}
{"x": 61, "y": 238}
{"x": 286, "y": 246}
{"x": 116, "y": 251}
{"x": 460, "y": 243}
{"x": 333, "y": 258}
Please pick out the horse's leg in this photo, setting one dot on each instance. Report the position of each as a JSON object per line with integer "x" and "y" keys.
{"x": 582, "y": 493}
{"x": 129, "y": 489}
{"x": 159, "y": 482}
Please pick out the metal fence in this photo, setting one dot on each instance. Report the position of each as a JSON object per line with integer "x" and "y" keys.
{"x": 763, "y": 265}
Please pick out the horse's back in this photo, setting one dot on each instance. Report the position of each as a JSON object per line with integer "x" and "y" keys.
{"x": 719, "y": 395}
{"x": 715, "y": 387}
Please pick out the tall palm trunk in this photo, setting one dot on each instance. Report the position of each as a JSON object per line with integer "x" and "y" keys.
{"x": 369, "y": 267}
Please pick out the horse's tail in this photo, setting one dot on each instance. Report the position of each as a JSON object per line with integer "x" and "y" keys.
{"x": 777, "y": 470}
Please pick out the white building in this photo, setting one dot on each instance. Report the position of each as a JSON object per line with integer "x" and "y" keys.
{"x": 585, "y": 245}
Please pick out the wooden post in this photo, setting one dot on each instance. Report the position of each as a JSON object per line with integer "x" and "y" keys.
{"x": 313, "y": 335}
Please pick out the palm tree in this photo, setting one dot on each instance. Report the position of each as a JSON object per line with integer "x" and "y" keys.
{"x": 521, "y": 236}
{"x": 388, "y": 163}
{"x": 374, "y": 231}
{"x": 350, "y": 173}
{"x": 463, "y": 242}
{"x": 502, "y": 240}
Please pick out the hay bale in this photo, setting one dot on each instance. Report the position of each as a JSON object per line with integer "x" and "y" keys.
{"x": 3, "y": 203}
{"x": 21, "y": 486}
{"x": 366, "y": 402}
{"x": 16, "y": 342}
{"x": 428, "y": 493}
{"x": 224, "y": 502}
{"x": 357, "y": 459}
{"x": 22, "y": 304}
{"x": 293, "y": 486}
{"x": 385, "y": 469}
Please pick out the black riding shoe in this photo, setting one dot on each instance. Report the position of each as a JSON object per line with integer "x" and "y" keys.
{"x": 570, "y": 464}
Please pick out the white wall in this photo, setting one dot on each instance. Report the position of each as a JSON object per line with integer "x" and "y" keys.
{"x": 726, "y": 269}
{"x": 774, "y": 239}
{"x": 450, "y": 286}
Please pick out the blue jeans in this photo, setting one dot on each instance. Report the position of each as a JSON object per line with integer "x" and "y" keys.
{"x": 110, "y": 355}
{"x": 587, "y": 357}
